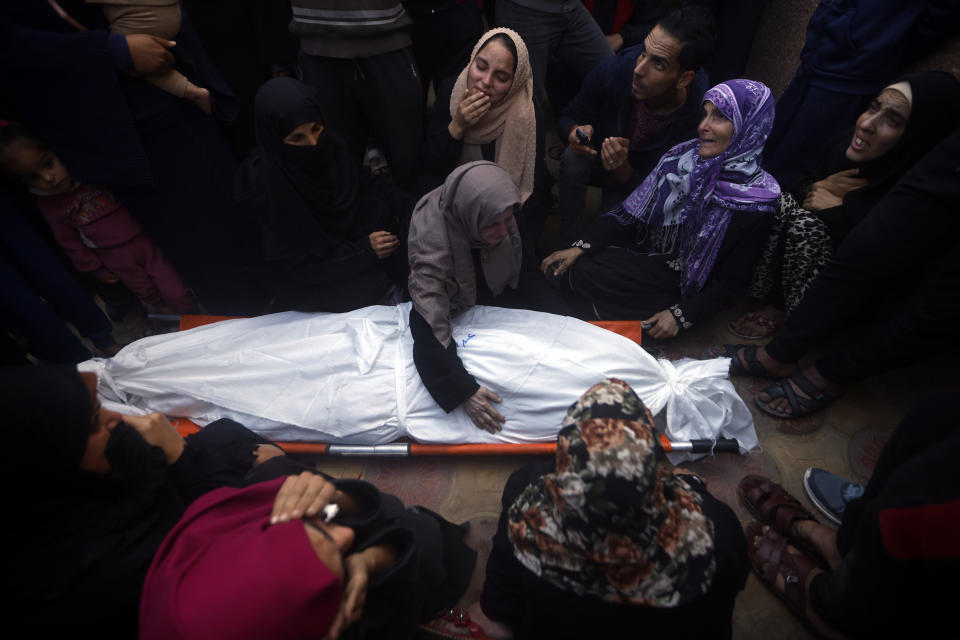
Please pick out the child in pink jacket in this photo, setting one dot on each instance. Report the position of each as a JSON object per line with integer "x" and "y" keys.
{"x": 98, "y": 233}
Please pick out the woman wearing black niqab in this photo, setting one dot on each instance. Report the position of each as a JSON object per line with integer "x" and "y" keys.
{"x": 333, "y": 239}
{"x": 88, "y": 501}
{"x": 79, "y": 543}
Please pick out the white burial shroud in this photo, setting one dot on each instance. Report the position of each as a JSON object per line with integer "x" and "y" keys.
{"x": 349, "y": 378}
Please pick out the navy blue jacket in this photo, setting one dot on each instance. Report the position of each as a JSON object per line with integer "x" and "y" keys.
{"x": 606, "y": 101}
{"x": 857, "y": 46}
{"x": 69, "y": 86}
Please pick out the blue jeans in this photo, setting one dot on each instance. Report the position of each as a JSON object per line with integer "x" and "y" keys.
{"x": 575, "y": 38}
{"x": 576, "y": 173}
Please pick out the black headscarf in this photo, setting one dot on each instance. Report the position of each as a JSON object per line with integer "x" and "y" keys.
{"x": 79, "y": 543}
{"x": 311, "y": 192}
{"x": 933, "y": 110}
{"x": 33, "y": 422}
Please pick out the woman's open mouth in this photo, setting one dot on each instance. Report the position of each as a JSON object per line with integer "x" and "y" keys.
{"x": 858, "y": 143}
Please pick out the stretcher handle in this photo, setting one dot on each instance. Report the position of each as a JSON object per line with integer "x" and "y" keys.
{"x": 721, "y": 445}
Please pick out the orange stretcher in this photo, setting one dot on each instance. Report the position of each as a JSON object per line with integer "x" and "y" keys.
{"x": 627, "y": 328}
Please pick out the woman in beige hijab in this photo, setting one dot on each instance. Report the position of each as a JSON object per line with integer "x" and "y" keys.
{"x": 490, "y": 114}
{"x": 461, "y": 229}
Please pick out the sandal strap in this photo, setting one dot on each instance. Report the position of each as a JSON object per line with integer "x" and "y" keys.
{"x": 741, "y": 366}
{"x": 777, "y": 507}
{"x": 815, "y": 394}
{"x": 773, "y": 559}
{"x": 744, "y": 360}
{"x": 769, "y": 554}
{"x": 751, "y": 360}
{"x": 795, "y": 569}
{"x": 798, "y": 404}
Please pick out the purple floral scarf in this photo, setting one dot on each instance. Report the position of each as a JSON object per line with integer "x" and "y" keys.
{"x": 689, "y": 200}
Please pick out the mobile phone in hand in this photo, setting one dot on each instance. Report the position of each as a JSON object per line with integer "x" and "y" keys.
{"x": 582, "y": 137}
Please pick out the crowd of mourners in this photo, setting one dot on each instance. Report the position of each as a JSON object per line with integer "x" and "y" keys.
{"x": 249, "y": 157}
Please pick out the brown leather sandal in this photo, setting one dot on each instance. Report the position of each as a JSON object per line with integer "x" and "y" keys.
{"x": 769, "y": 557}
{"x": 771, "y": 504}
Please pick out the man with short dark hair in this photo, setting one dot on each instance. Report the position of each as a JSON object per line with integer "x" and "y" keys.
{"x": 630, "y": 110}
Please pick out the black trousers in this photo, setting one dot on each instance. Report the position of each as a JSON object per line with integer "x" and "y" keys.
{"x": 884, "y": 588}
{"x": 442, "y": 41}
{"x": 379, "y": 96}
{"x": 913, "y": 228}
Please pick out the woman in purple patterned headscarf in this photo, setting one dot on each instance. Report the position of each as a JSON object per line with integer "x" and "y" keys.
{"x": 683, "y": 245}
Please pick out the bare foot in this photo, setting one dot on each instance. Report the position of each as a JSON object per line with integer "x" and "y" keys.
{"x": 198, "y": 96}
{"x": 771, "y": 368}
{"x": 758, "y": 324}
{"x": 810, "y": 373}
{"x": 821, "y": 538}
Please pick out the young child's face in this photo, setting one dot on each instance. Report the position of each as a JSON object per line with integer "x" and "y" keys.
{"x": 40, "y": 168}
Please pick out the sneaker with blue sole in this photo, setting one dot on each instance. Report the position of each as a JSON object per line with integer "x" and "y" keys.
{"x": 830, "y": 493}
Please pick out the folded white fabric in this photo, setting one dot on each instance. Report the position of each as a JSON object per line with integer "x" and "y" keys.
{"x": 349, "y": 378}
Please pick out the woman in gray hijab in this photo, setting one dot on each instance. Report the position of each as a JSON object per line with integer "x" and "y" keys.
{"x": 464, "y": 248}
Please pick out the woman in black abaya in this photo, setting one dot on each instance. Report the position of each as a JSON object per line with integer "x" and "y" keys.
{"x": 904, "y": 121}
{"x": 90, "y": 495}
{"x": 333, "y": 238}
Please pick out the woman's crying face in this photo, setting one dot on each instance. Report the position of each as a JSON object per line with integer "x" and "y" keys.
{"x": 495, "y": 233}
{"x": 491, "y": 72}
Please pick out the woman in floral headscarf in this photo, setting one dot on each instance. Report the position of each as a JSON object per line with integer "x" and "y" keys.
{"x": 683, "y": 245}
{"x": 608, "y": 542}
